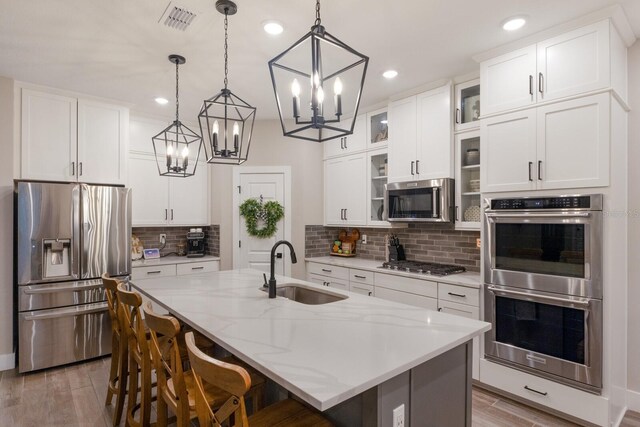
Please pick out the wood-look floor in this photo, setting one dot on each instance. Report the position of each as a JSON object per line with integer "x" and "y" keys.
{"x": 75, "y": 395}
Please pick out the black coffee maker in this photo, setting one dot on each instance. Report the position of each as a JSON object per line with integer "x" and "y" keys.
{"x": 195, "y": 243}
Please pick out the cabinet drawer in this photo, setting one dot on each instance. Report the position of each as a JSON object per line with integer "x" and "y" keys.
{"x": 361, "y": 288}
{"x": 328, "y": 281}
{"x": 155, "y": 271}
{"x": 460, "y": 294}
{"x": 553, "y": 395}
{"x": 361, "y": 276}
{"x": 197, "y": 267}
{"x": 406, "y": 298}
{"x": 425, "y": 288}
{"x": 328, "y": 270}
{"x": 459, "y": 309}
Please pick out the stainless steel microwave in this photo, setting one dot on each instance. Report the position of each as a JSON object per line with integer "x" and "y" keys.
{"x": 420, "y": 201}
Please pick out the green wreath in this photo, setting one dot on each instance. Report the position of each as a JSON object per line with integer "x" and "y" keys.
{"x": 271, "y": 212}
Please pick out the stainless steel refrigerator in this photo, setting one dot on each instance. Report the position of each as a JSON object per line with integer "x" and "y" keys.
{"x": 66, "y": 236}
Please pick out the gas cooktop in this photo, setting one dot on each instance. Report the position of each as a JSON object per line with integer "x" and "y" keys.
{"x": 420, "y": 267}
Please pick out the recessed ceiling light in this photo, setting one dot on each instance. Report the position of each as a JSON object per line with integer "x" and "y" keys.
{"x": 272, "y": 27}
{"x": 514, "y": 23}
{"x": 389, "y": 74}
{"x": 162, "y": 101}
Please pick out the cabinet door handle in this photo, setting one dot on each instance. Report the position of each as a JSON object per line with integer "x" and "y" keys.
{"x": 458, "y": 116}
{"x": 80, "y": 168}
{"x": 412, "y": 168}
{"x": 345, "y": 142}
{"x": 539, "y": 170}
{"x": 359, "y": 277}
{"x": 530, "y": 164}
{"x": 439, "y": 308}
{"x": 540, "y": 83}
{"x": 457, "y": 295}
{"x": 326, "y": 270}
{"x": 541, "y": 393}
{"x": 345, "y": 215}
{"x": 417, "y": 167}
{"x": 456, "y": 213}
{"x": 370, "y": 293}
{"x": 530, "y": 85}
{"x": 166, "y": 214}
{"x": 171, "y": 214}
{"x": 342, "y": 143}
{"x": 73, "y": 168}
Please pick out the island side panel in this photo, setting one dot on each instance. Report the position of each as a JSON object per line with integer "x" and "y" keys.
{"x": 441, "y": 389}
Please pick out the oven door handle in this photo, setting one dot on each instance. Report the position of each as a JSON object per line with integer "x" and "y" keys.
{"x": 538, "y": 215}
{"x": 581, "y": 301}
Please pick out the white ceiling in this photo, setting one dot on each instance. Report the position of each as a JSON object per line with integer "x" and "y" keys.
{"x": 117, "y": 49}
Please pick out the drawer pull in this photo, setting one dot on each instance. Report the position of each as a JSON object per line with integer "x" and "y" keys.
{"x": 536, "y": 391}
{"x": 457, "y": 295}
{"x": 197, "y": 268}
{"x": 154, "y": 272}
{"x": 359, "y": 277}
{"x": 326, "y": 271}
{"x": 370, "y": 293}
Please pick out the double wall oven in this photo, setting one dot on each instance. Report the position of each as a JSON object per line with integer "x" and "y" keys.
{"x": 543, "y": 286}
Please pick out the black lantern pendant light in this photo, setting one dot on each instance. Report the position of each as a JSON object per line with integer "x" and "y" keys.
{"x": 313, "y": 114}
{"x": 226, "y": 121}
{"x": 177, "y": 148}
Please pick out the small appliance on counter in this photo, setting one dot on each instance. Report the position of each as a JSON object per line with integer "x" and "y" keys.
{"x": 345, "y": 244}
{"x": 195, "y": 243}
{"x": 396, "y": 251}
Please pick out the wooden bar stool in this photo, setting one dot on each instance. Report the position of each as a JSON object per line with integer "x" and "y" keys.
{"x": 236, "y": 381}
{"x": 118, "y": 373}
{"x": 139, "y": 358}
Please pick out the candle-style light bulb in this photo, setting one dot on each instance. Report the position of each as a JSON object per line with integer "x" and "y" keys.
{"x": 216, "y": 130}
{"x": 295, "y": 90}
{"x": 337, "y": 90}
{"x": 169, "y": 154}
{"x": 315, "y": 82}
{"x": 185, "y": 157}
{"x": 236, "y": 136}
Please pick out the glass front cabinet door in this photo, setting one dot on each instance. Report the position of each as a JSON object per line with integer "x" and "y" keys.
{"x": 377, "y": 164}
{"x": 467, "y": 148}
{"x": 467, "y": 114}
{"x": 377, "y": 129}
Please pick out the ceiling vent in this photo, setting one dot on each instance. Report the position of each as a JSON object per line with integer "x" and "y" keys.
{"x": 177, "y": 17}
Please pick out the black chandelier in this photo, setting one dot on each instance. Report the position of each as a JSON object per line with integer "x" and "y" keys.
{"x": 308, "y": 115}
{"x": 174, "y": 146}
{"x": 226, "y": 121}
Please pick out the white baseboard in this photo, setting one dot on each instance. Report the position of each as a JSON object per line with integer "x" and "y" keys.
{"x": 633, "y": 400}
{"x": 7, "y": 361}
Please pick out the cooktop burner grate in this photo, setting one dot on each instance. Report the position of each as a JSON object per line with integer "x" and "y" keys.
{"x": 419, "y": 267}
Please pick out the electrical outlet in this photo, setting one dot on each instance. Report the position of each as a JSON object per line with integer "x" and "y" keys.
{"x": 163, "y": 238}
{"x": 478, "y": 243}
{"x": 398, "y": 416}
{"x": 364, "y": 239}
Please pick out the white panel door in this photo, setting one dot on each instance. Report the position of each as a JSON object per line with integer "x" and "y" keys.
{"x": 335, "y": 190}
{"x": 353, "y": 186}
{"x": 434, "y": 148}
{"x": 150, "y": 192}
{"x": 49, "y": 136}
{"x": 189, "y": 198}
{"x": 574, "y": 62}
{"x": 573, "y": 143}
{"x": 255, "y": 252}
{"x": 102, "y": 142}
{"x": 508, "y": 81}
{"x": 402, "y": 147}
{"x": 508, "y": 152}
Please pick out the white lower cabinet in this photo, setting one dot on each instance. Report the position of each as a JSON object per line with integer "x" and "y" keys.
{"x": 406, "y": 298}
{"x": 328, "y": 281}
{"x": 550, "y": 394}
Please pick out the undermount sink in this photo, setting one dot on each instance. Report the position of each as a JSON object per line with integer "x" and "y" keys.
{"x": 305, "y": 295}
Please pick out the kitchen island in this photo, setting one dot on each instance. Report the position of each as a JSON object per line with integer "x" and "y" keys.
{"x": 356, "y": 359}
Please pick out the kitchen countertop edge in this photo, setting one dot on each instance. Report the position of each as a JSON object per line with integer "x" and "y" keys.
{"x": 172, "y": 259}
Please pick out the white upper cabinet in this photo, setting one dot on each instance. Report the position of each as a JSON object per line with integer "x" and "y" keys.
{"x": 377, "y": 129}
{"x": 102, "y": 148}
{"x": 508, "y": 81}
{"x": 570, "y": 64}
{"x": 349, "y": 144}
{"x": 575, "y": 62}
{"x": 403, "y": 148}
{"x": 434, "y": 144}
{"x": 467, "y": 107}
{"x": 188, "y": 198}
{"x": 70, "y": 139}
{"x": 49, "y": 136}
{"x": 149, "y": 192}
{"x": 421, "y": 147}
{"x": 556, "y": 146}
{"x": 345, "y": 190}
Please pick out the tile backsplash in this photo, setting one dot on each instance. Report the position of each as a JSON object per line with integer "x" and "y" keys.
{"x": 150, "y": 237}
{"x": 422, "y": 242}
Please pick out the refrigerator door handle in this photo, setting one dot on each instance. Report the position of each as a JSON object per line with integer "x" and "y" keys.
{"x": 70, "y": 311}
{"x": 50, "y": 290}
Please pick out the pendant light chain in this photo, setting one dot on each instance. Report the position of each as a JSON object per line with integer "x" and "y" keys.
{"x": 226, "y": 47}
{"x": 177, "y": 98}
{"x": 318, "y": 20}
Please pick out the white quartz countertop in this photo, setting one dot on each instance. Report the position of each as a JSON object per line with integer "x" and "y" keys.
{"x": 171, "y": 259}
{"x": 325, "y": 354}
{"x": 468, "y": 278}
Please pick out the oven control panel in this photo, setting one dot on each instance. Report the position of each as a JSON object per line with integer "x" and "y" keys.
{"x": 566, "y": 202}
